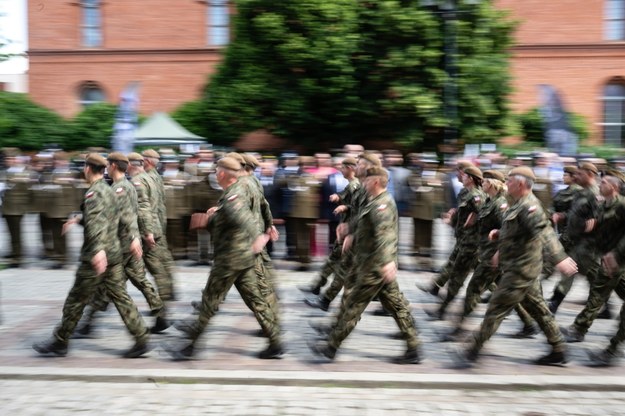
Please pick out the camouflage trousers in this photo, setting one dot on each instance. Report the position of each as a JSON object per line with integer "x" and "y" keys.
{"x": 265, "y": 273}
{"x": 342, "y": 273}
{"x": 85, "y": 286}
{"x": 483, "y": 277}
{"x": 456, "y": 273}
{"x": 160, "y": 264}
{"x": 220, "y": 280}
{"x": 516, "y": 289}
{"x": 135, "y": 272}
{"x": 619, "y": 337}
{"x": 588, "y": 264}
{"x": 331, "y": 265}
{"x": 366, "y": 287}
{"x": 600, "y": 291}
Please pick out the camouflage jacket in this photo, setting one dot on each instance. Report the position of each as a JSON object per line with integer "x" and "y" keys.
{"x": 470, "y": 202}
{"x": 233, "y": 229}
{"x": 376, "y": 239}
{"x": 127, "y": 206}
{"x": 346, "y": 196}
{"x": 525, "y": 232}
{"x": 100, "y": 219}
{"x": 159, "y": 198}
{"x": 562, "y": 202}
{"x": 489, "y": 218}
{"x": 585, "y": 206}
{"x": 147, "y": 211}
{"x": 610, "y": 229}
{"x": 259, "y": 206}
{"x": 358, "y": 202}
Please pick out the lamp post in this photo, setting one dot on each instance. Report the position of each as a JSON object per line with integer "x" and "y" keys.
{"x": 448, "y": 10}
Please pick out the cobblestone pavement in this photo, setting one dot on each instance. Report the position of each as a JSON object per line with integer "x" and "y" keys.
{"x": 227, "y": 378}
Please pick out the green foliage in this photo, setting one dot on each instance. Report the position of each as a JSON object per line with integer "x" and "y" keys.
{"x": 27, "y": 125}
{"x": 320, "y": 71}
{"x": 533, "y": 129}
{"x": 192, "y": 115}
{"x": 92, "y": 127}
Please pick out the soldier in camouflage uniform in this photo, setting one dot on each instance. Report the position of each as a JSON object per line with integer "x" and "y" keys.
{"x": 130, "y": 239}
{"x": 343, "y": 199}
{"x": 609, "y": 231}
{"x": 375, "y": 245}
{"x": 464, "y": 220}
{"x": 160, "y": 251}
{"x": 521, "y": 241}
{"x": 345, "y": 274}
{"x": 579, "y": 240}
{"x": 237, "y": 244}
{"x": 101, "y": 263}
{"x": 150, "y": 225}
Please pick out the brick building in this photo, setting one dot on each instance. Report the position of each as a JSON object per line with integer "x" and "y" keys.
{"x": 88, "y": 50}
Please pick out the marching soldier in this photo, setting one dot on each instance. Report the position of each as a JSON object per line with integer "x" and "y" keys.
{"x": 100, "y": 263}
{"x": 177, "y": 206}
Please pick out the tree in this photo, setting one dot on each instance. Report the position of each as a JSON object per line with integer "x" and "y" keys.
{"x": 27, "y": 125}
{"x": 192, "y": 115}
{"x": 92, "y": 127}
{"x": 320, "y": 71}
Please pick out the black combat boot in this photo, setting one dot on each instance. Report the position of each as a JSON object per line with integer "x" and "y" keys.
{"x": 53, "y": 346}
{"x": 555, "y": 301}
{"x": 160, "y": 325}
{"x": 553, "y": 358}
{"x": 411, "y": 356}
{"x": 137, "y": 350}
{"x": 318, "y": 302}
{"x": 273, "y": 351}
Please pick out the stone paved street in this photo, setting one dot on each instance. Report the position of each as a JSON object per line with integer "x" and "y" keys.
{"x": 227, "y": 378}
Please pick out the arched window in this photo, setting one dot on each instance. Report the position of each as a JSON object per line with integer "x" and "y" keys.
{"x": 91, "y": 23}
{"x": 615, "y": 20}
{"x": 218, "y": 19}
{"x": 90, "y": 93}
{"x": 614, "y": 113}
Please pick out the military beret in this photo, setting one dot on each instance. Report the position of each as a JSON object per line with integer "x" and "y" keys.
{"x": 371, "y": 158}
{"x": 523, "y": 171}
{"x": 571, "y": 170}
{"x": 117, "y": 157}
{"x": 238, "y": 157}
{"x": 589, "y": 167}
{"x": 135, "y": 157}
{"x": 229, "y": 163}
{"x": 473, "y": 171}
{"x": 463, "y": 164}
{"x": 151, "y": 153}
{"x": 250, "y": 160}
{"x": 615, "y": 173}
{"x": 95, "y": 159}
{"x": 494, "y": 174}
{"x": 349, "y": 161}
{"x": 377, "y": 171}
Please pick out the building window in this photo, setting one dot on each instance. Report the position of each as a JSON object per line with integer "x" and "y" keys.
{"x": 91, "y": 23}
{"x": 218, "y": 22}
{"x": 90, "y": 93}
{"x": 614, "y": 114}
{"x": 615, "y": 20}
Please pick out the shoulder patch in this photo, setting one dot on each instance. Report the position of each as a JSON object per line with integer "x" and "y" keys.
{"x": 532, "y": 208}
{"x": 382, "y": 207}
{"x": 503, "y": 206}
{"x": 119, "y": 190}
{"x": 232, "y": 197}
{"x": 89, "y": 194}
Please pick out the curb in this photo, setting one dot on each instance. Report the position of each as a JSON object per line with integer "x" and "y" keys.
{"x": 316, "y": 379}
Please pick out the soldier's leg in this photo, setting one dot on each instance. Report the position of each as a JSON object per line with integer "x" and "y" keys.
{"x": 265, "y": 286}
{"x": 84, "y": 287}
{"x": 619, "y": 337}
{"x": 330, "y": 266}
{"x": 115, "y": 283}
{"x": 14, "y": 223}
{"x": 135, "y": 272}
{"x": 463, "y": 265}
{"x": 600, "y": 291}
{"x": 155, "y": 263}
{"x": 58, "y": 240}
{"x": 483, "y": 276}
{"x": 394, "y": 301}
{"x": 422, "y": 237}
{"x": 535, "y": 304}
{"x": 46, "y": 236}
{"x": 345, "y": 265}
{"x": 446, "y": 272}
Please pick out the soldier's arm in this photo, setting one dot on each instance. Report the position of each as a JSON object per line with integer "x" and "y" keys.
{"x": 144, "y": 209}
{"x": 385, "y": 234}
{"x": 237, "y": 210}
{"x": 95, "y": 221}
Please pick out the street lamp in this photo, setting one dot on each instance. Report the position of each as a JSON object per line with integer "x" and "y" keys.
{"x": 448, "y": 10}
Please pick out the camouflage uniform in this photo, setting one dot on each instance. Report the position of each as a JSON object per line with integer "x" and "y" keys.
{"x": 100, "y": 220}
{"x": 149, "y": 223}
{"x": 16, "y": 201}
{"x": 233, "y": 229}
{"x": 467, "y": 239}
{"x": 375, "y": 245}
{"x": 522, "y": 238}
{"x": 610, "y": 230}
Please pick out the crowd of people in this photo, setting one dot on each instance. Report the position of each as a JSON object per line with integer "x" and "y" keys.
{"x": 515, "y": 222}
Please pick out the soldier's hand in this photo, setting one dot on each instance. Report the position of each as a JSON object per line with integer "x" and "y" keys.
{"x": 334, "y": 198}
{"x": 259, "y": 243}
{"x": 135, "y": 248}
{"x": 610, "y": 265}
{"x": 389, "y": 272}
{"x": 557, "y": 217}
{"x": 567, "y": 267}
{"x": 198, "y": 220}
{"x": 68, "y": 224}
{"x": 99, "y": 262}
{"x": 149, "y": 240}
{"x": 493, "y": 235}
{"x": 347, "y": 243}
{"x": 495, "y": 260}
{"x": 273, "y": 233}
{"x": 341, "y": 231}
{"x": 590, "y": 225}
{"x": 211, "y": 211}
{"x": 470, "y": 220}
{"x": 340, "y": 209}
